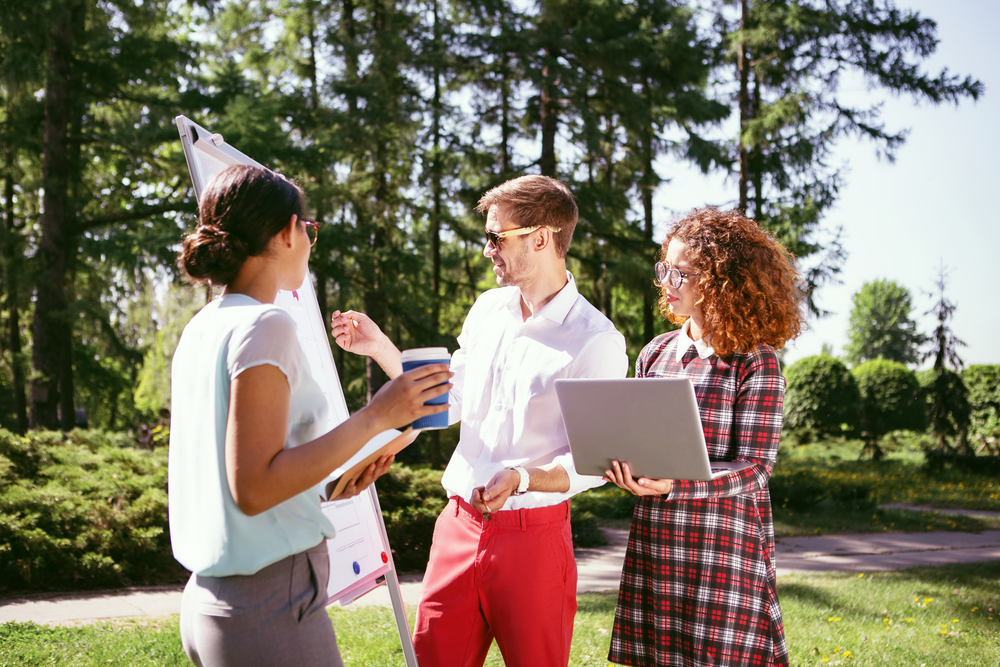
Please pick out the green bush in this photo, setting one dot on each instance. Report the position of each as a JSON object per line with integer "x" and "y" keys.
{"x": 821, "y": 397}
{"x": 82, "y": 510}
{"x": 798, "y": 490}
{"x": 605, "y": 502}
{"x": 983, "y": 383}
{"x": 88, "y": 509}
{"x": 803, "y": 490}
{"x": 411, "y": 500}
{"x": 939, "y": 460}
{"x": 890, "y": 398}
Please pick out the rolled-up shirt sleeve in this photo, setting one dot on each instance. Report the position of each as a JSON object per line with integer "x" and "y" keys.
{"x": 604, "y": 357}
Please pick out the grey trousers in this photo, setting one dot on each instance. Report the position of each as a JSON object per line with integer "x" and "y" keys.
{"x": 274, "y": 617}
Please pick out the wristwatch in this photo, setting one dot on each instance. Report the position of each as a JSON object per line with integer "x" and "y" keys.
{"x": 523, "y": 486}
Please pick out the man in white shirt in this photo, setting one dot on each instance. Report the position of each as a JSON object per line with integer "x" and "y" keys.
{"x": 501, "y": 564}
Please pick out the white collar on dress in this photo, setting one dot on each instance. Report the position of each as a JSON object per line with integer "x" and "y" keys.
{"x": 684, "y": 342}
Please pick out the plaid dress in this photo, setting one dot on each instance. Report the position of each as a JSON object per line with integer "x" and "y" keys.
{"x": 698, "y": 586}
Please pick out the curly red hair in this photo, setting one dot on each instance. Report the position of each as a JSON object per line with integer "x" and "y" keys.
{"x": 750, "y": 288}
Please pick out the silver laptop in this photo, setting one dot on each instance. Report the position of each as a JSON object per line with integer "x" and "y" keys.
{"x": 650, "y": 423}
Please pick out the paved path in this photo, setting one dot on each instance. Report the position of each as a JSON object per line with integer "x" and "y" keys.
{"x": 599, "y": 568}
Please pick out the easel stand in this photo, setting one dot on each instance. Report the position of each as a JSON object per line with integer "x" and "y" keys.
{"x": 395, "y": 594}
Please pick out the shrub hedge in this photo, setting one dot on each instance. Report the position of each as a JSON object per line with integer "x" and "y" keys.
{"x": 983, "y": 382}
{"x": 821, "y": 397}
{"x": 88, "y": 509}
{"x": 890, "y": 396}
{"x": 411, "y": 500}
{"x": 82, "y": 510}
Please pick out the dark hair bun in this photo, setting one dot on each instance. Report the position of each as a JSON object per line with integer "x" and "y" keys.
{"x": 241, "y": 210}
{"x": 213, "y": 254}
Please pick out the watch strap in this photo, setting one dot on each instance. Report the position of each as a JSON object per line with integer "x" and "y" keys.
{"x": 522, "y": 487}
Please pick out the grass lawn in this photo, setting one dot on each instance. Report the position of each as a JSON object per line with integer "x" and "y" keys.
{"x": 930, "y": 617}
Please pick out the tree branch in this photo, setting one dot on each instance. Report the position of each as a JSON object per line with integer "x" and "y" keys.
{"x": 134, "y": 214}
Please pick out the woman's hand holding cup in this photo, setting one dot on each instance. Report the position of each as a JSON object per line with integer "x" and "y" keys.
{"x": 403, "y": 400}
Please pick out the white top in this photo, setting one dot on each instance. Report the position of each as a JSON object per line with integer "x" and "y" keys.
{"x": 504, "y": 387}
{"x": 210, "y": 535}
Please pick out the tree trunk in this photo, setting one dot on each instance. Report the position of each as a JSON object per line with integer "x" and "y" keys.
{"x": 67, "y": 392}
{"x": 548, "y": 95}
{"x": 648, "y": 185}
{"x": 436, "y": 176}
{"x": 384, "y": 67}
{"x": 743, "y": 68}
{"x": 470, "y": 276}
{"x": 11, "y": 266}
{"x": 549, "y": 118}
{"x": 756, "y": 168}
{"x": 50, "y": 329}
{"x": 434, "y": 443}
{"x": 319, "y": 173}
{"x": 505, "y": 130}
{"x": 374, "y": 309}
{"x": 348, "y": 31}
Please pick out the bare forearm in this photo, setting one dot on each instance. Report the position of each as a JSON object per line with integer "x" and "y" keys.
{"x": 292, "y": 471}
{"x": 551, "y": 478}
{"x": 389, "y": 358}
{"x": 262, "y": 472}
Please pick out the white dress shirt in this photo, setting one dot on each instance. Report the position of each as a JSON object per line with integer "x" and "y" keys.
{"x": 504, "y": 387}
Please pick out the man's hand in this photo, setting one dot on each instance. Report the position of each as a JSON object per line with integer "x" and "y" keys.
{"x": 491, "y": 498}
{"x": 356, "y": 332}
{"x": 643, "y": 486}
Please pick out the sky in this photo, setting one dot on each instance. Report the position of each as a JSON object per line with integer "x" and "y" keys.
{"x": 903, "y": 220}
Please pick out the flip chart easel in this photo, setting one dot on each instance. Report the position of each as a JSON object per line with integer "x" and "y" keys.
{"x": 360, "y": 558}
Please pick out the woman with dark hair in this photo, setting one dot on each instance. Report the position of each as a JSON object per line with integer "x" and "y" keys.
{"x": 698, "y": 586}
{"x": 246, "y": 448}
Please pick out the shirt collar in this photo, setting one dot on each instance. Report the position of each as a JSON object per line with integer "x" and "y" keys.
{"x": 556, "y": 309}
{"x": 684, "y": 342}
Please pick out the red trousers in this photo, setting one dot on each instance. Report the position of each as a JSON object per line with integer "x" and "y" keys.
{"x": 511, "y": 577}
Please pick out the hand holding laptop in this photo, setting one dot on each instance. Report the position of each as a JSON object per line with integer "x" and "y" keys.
{"x": 621, "y": 475}
{"x": 650, "y": 424}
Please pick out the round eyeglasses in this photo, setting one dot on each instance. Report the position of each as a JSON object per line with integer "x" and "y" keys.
{"x": 673, "y": 276}
{"x": 312, "y": 230}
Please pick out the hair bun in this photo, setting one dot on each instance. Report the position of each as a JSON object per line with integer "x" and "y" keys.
{"x": 241, "y": 209}
{"x": 213, "y": 254}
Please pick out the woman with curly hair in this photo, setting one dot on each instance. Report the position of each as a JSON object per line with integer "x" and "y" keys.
{"x": 698, "y": 586}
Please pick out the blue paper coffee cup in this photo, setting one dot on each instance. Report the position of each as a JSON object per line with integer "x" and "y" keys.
{"x": 421, "y": 356}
